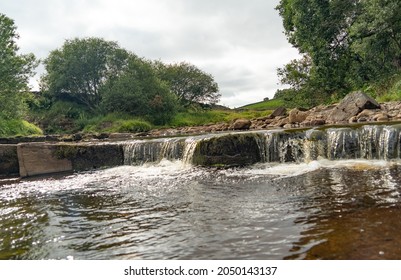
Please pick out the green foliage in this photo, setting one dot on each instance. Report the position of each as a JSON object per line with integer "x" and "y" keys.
{"x": 387, "y": 91}
{"x": 78, "y": 70}
{"x": 347, "y": 45}
{"x": 61, "y": 117}
{"x": 15, "y": 71}
{"x": 189, "y": 83}
{"x": 193, "y": 118}
{"x": 12, "y": 127}
{"x": 376, "y": 37}
{"x": 139, "y": 92}
{"x": 116, "y": 122}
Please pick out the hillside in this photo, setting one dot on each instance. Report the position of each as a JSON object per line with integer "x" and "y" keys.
{"x": 264, "y": 105}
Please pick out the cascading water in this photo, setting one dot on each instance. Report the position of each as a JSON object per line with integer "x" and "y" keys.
{"x": 301, "y": 202}
{"x": 140, "y": 152}
{"x": 365, "y": 142}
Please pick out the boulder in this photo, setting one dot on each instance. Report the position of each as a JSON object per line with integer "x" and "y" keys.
{"x": 280, "y": 111}
{"x": 350, "y": 106}
{"x": 241, "y": 124}
{"x": 297, "y": 115}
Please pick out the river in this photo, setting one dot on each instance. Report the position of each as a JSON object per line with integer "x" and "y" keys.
{"x": 321, "y": 209}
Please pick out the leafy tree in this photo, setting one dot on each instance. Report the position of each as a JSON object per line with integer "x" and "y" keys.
{"x": 320, "y": 30}
{"x": 139, "y": 92}
{"x": 189, "y": 83}
{"x": 350, "y": 43}
{"x": 78, "y": 70}
{"x": 15, "y": 71}
{"x": 376, "y": 38}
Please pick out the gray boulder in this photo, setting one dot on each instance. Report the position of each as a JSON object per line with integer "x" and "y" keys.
{"x": 350, "y": 106}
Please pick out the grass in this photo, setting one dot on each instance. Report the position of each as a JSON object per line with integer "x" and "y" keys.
{"x": 265, "y": 105}
{"x": 194, "y": 118}
{"x": 393, "y": 93}
{"x": 116, "y": 123}
{"x": 12, "y": 128}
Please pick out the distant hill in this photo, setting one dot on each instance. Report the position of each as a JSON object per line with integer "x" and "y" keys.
{"x": 264, "y": 105}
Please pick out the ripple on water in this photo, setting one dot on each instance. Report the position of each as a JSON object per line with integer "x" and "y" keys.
{"x": 322, "y": 209}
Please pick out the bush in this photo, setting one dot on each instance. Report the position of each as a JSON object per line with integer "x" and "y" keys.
{"x": 10, "y": 128}
{"x": 61, "y": 117}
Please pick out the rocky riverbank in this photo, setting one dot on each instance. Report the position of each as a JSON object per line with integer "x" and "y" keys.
{"x": 356, "y": 107}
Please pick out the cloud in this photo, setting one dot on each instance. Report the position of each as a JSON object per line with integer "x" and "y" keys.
{"x": 240, "y": 42}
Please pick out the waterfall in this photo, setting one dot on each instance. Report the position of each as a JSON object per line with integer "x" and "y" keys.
{"x": 142, "y": 151}
{"x": 364, "y": 142}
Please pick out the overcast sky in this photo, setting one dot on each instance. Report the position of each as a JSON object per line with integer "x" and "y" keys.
{"x": 240, "y": 42}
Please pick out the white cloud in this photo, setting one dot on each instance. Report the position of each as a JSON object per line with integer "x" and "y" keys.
{"x": 240, "y": 42}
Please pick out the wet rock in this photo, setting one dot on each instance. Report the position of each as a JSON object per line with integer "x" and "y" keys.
{"x": 350, "y": 106}
{"x": 228, "y": 150}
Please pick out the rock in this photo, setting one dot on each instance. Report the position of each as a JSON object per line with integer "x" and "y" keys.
{"x": 381, "y": 117}
{"x": 280, "y": 111}
{"x": 350, "y": 106}
{"x": 279, "y": 122}
{"x": 297, "y": 115}
{"x": 317, "y": 122}
{"x": 353, "y": 119}
{"x": 290, "y": 125}
{"x": 228, "y": 150}
{"x": 241, "y": 124}
{"x": 367, "y": 113}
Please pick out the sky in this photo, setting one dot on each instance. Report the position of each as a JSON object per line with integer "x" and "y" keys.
{"x": 239, "y": 42}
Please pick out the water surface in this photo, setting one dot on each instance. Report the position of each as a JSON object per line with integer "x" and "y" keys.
{"x": 323, "y": 209}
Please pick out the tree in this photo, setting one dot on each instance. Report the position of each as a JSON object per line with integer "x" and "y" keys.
{"x": 139, "y": 92}
{"x": 78, "y": 70}
{"x": 189, "y": 83}
{"x": 351, "y": 43}
{"x": 320, "y": 31}
{"x": 15, "y": 71}
{"x": 376, "y": 38}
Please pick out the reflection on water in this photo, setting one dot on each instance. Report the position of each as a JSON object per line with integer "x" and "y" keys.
{"x": 320, "y": 210}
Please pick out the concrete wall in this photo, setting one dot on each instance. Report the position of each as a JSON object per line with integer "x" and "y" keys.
{"x": 39, "y": 158}
{"x": 31, "y": 159}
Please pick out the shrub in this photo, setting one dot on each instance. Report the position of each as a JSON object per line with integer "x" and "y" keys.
{"x": 14, "y": 127}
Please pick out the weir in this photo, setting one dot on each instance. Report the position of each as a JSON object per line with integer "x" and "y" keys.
{"x": 381, "y": 142}
{"x": 364, "y": 142}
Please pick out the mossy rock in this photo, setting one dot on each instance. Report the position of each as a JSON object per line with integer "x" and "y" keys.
{"x": 228, "y": 150}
